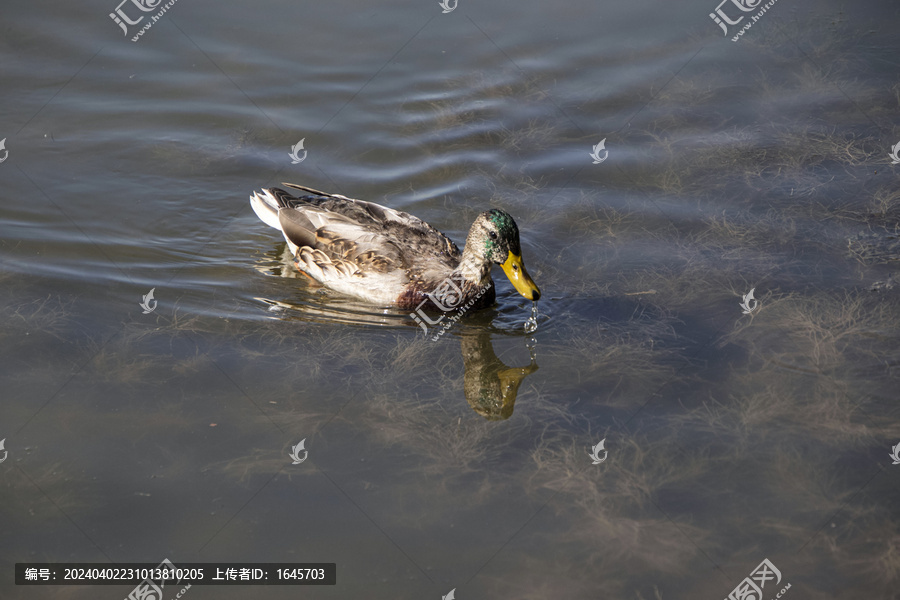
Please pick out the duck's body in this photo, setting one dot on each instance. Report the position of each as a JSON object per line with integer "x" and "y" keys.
{"x": 388, "y": 257}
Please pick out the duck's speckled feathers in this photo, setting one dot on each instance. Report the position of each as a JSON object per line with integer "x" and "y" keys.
{"x": 360, "y": 248}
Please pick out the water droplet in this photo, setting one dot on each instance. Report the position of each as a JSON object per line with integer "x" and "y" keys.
{"x": 531, "y": 324}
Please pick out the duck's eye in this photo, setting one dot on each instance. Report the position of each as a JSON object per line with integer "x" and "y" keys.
{"x": 493, "y": 235}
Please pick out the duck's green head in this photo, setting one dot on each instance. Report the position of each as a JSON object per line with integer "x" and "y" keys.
{"x": 495, "y": 237}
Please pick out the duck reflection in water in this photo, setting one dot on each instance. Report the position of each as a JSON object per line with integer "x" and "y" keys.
{"x": 490, "y": 385}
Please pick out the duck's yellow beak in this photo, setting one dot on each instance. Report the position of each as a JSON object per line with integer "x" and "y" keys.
{"x": 519, "y": 277}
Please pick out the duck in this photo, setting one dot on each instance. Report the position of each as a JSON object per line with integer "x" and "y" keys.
{"x": 391, "y": 258}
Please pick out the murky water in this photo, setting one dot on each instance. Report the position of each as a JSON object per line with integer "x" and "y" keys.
{"x": 735, "y": 430}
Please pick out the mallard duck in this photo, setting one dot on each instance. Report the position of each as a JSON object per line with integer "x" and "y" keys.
{"x": 391, "y": 258}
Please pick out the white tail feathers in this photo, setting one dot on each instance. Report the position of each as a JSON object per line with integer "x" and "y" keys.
{"x": 266, "y": 208}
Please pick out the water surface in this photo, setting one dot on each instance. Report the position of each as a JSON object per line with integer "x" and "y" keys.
{"x": 462, "y": 463}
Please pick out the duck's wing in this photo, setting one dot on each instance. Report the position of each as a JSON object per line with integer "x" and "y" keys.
{"x": 356, "y": 247}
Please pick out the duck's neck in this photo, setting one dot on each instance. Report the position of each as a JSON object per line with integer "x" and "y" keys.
{"x": 472, "y": 265}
